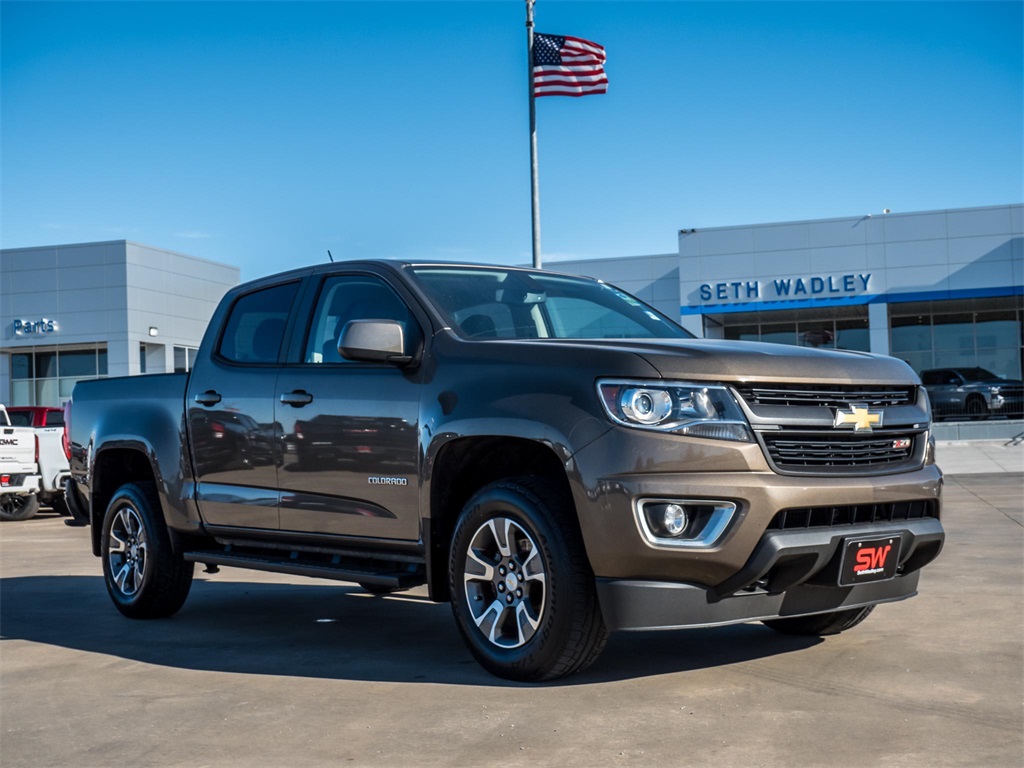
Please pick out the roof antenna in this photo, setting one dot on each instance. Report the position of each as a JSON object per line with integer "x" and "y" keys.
{"x": 329, "y": 255}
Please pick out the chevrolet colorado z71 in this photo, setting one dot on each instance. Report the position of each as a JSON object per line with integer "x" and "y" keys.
{"x": 546, "y": 452}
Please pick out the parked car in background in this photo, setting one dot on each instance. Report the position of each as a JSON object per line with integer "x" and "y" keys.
{"x": 35, "y": 416}
{"x": 973, "y": 392}
{"x": 54, "y": 471}
{"x": 19, "y": 476}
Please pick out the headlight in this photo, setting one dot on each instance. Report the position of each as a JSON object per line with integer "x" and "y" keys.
{"x": 994, "y": 390}
{"x": 698, "y": 410}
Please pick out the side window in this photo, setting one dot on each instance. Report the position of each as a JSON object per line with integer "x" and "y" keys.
{"x": 352, "y": 297}
{"x": 256, "y": 323}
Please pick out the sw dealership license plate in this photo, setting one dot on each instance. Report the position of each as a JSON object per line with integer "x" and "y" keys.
{"x": 866, "y": 560}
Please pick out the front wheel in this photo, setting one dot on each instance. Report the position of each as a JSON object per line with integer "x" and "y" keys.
{"x": 144, "y": 577}
{"x": 821, "y": 624}
{"x": 14, "y": 507}
{"x": 522, "y": 591}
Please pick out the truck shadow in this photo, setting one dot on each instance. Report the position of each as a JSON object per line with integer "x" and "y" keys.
{"x": 324, "y": 630}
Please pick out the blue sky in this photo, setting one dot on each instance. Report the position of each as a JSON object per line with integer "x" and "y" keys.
{"x": 264, "y": 134}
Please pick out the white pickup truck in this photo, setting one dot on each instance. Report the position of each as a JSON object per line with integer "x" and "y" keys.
{"x": 19, "y": 470}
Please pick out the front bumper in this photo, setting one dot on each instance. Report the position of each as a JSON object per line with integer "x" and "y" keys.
{"x": 646, "y": 605}
{"x": 790, "y": 573}
{"x": 606, "y": 498}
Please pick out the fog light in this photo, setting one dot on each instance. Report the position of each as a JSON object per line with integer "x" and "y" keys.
{"x": 683, "y": 524}
{"x": 674, "y": 519}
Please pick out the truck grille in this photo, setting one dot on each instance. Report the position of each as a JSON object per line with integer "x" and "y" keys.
{"x": 826, "y": 396}
{"x": 854, "y": 514}
{"x": 811, "y": 452}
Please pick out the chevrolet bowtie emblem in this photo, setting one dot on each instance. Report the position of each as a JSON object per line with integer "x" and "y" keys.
{"x": 860, "y": 417}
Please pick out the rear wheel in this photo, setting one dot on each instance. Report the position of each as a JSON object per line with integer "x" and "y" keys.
{"x": 523, "y": 594}
{"x": 145, "y": 578}
{"x": 821, "y": 624}
{"x": 14, "y": 507}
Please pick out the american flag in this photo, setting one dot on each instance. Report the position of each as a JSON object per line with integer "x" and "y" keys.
{"x": 567, "y": 66}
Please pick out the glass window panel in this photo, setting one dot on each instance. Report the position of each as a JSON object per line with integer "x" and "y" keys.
{"x": 955, "y": 358}
{"x": 21, "y": 366}
{"x": 67, "y": 386}
{"x": 46, "y": 365}
{"x": 353, "y": 297}
{"x": 78, "y": 363}
{"x": 821, "y": 334}
{"x": 255, "y": 327}
{"x": 54, "y": 419}
{"x": 21, "y": 393}
{"x": 919, "y": 361}
{"x": 192, "y": 358}
{"x": 910, "y": 334}
{"x": 742, "y": 332}
{"x": 1004, "y": 363}
{"x": 853, "y": 338}
{"x": 47, "y": 392}
{"x": 953, "y": 331}
{"x": 783, "y": 333}
{"x": 142, "y": 357}
{"x": 180, "y": 360}
{"x": 102, "y": 365}
{"x": 993, "y": 330}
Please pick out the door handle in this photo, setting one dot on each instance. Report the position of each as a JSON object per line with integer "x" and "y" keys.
{"x": 297, "y": 399}
{"x": 209, "y": 397}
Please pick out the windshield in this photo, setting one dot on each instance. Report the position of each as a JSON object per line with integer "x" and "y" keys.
{"x": 977, "y": 374}
{"x": 495, "y": 303}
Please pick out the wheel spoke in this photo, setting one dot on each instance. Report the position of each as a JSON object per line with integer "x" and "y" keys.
{"x": 121, "y": 577}
{"x": 136, "y": 576}
{"x": 488, "y": 568}
{"x": 115, "y": 538}
{"x": 533, "y": 568}
{"x": 523, "y": 617}
{"x": 501, "y": 540}
{"x": 495, "y": 610}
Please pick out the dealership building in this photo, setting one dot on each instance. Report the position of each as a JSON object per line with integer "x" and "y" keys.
{"x": 89, "y": 310}
{"x": 937, "y": 289}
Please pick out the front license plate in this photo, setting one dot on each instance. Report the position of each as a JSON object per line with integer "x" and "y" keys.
{"x": 867, "y": 560}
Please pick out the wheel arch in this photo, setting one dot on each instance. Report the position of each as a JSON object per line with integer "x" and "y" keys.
{"x": 463, "y": 466}
{"x": 115, "y": 465}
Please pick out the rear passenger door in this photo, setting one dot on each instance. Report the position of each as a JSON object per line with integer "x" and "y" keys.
{"x": 350, "y": 430}
{"x": 231, "y": 412}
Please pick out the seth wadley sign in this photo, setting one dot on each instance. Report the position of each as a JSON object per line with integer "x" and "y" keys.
{"x": 783, "y": 288}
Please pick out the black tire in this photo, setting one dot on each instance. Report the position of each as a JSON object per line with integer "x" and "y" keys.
{"x": 60, "y": 505}
{"x": 976, "y": 408}
{"x": 821, "y": 624}
{"x": 531, "y": 614}
{"x": 144, "y": 577}
{"x": 14, "y": 507}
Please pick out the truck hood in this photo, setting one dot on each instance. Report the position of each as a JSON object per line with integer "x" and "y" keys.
{"x": 740, "y": 361}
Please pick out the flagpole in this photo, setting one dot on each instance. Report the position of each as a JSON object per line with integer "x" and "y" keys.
{"x": 534, "y": 183}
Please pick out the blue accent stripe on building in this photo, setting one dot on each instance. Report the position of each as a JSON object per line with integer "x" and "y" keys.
{"x": 847, "y": 301}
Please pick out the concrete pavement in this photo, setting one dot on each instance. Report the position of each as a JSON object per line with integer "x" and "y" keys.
{"x": 267, "y": 670}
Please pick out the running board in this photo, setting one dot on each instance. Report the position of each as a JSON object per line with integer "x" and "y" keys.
{"x": 396, "y": 579}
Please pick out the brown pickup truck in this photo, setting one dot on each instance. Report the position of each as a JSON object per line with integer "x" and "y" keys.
{"x": 547, "y": 453}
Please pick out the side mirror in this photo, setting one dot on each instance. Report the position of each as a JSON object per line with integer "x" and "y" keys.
{"x": 374, "y": 341}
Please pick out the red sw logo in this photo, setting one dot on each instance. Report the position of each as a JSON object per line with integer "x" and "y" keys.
{"x": 871, "y": 558}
